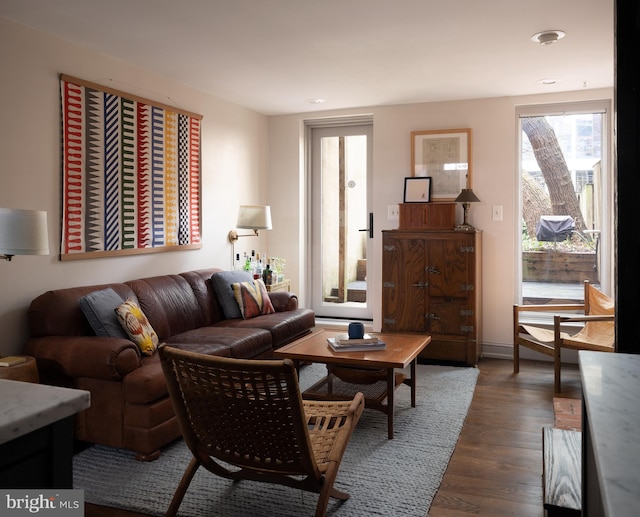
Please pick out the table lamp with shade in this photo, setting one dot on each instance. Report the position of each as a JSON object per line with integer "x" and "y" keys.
{"x": 466, "y": 197}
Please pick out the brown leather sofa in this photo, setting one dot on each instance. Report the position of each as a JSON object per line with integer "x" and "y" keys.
{"x": 130, "y": 406}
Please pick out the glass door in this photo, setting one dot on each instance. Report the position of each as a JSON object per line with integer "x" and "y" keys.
{"x": 341, "y": 228}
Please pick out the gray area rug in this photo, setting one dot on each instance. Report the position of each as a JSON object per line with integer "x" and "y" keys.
{"x": 396, "y": 477}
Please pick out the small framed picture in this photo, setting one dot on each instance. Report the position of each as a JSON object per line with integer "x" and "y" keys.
{"x": 417, "y": 190}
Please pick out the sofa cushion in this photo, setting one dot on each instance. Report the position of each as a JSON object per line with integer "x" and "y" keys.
{"x": 284, "y": 326}
{"x": 253, "y": 298}
{"x": 169, "y": 304}
{"x": 137, "y": 326}
{"x": 202, "y": 287}
{"x": 99, "y": 309}
{"x": 224, "y": 341}
{"x": 222, "y": 282}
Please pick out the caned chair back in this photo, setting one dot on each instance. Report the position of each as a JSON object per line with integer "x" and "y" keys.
{"x": 249, "y": 416}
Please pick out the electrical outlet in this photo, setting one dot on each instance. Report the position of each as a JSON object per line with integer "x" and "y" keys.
{"x": 497, "y": 212}
{"x": 393, "y": 212}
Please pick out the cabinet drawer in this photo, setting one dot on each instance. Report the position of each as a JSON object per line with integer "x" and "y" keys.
{"x": 427, "y": 216}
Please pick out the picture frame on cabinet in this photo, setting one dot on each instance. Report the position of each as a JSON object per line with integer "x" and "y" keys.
{"x": 445, "y": 157}
{"x": 417, "y": 190}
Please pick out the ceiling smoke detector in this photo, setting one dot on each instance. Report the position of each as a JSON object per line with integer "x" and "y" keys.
{"x": 548, "y": 37}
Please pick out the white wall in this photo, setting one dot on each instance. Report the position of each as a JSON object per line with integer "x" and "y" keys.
{"x": 494, "y": 179}
{"x": 234, "y": 168}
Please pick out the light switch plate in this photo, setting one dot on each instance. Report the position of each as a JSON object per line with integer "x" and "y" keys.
{"x": 497, "y": 212}
{"x": 393, "y": 212}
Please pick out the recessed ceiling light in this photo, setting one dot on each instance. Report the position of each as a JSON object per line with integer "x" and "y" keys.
{"x": 548, "y": 37}
{"x": 548, "y": 81}
{"x": 315, "y": 101}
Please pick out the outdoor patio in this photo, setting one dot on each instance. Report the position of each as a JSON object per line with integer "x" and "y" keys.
{"x": 552, "y": 292}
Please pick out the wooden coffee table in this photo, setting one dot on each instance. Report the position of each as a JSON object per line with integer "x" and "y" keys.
{"x": 372, "y": 373}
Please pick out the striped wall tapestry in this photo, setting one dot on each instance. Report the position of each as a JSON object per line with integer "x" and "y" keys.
{"x": 130, "y": 174}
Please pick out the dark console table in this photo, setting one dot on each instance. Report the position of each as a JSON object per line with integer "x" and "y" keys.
{"x": 610, "y": 434}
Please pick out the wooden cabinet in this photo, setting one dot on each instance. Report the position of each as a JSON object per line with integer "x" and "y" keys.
{"x": 431, "y": 284}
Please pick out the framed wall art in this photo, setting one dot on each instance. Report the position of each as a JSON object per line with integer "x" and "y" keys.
{"x": 417, "y": 190}
{"x": 445, "y": 157}
{"x": 131, "y": 171}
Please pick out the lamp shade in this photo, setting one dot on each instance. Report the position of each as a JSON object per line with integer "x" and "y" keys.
{"x": 23, "y": 232}
{"x": 254, "y": 217}
{"x": 467, "y": 196}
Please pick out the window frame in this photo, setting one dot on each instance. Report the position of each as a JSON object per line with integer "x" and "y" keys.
{"x": 606, "y": 244}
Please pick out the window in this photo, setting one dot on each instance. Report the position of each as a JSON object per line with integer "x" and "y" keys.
{"x": 564, "y": 209}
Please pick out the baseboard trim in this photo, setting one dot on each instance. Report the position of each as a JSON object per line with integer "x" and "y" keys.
{"x": 502, "y": 351}
{"x": 497, "y": 351}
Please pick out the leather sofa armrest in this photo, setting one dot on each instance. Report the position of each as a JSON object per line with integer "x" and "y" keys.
{"x": 284, "y": 301}
{"x": 94, "y": 357}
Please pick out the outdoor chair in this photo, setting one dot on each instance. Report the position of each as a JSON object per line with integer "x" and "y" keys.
{"x": 250, "y": 415}
{"x": 596, "y": 334}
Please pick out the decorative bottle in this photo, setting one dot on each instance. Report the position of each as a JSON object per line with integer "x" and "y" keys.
{"x": 267, "y": 275}
{"x": 258, "y": 270}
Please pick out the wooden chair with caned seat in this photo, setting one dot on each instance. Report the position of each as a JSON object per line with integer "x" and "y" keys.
{"x": 250, "y": 415}
{"x": 597, "y": 332}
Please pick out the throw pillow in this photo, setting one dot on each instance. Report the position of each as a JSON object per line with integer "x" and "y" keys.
{"x": 253, "y": 298}
{"x": 222, "y": 281}
{"x": 137, "y": 327}
{"x": 98, "y": 307}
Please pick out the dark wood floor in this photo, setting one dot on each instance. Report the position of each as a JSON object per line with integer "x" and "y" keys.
{"x": 496, "y": 468}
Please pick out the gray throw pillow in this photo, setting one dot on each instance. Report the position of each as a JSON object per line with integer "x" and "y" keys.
{"x": 99, "y": 309}
{"x": 222, "y": 281}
